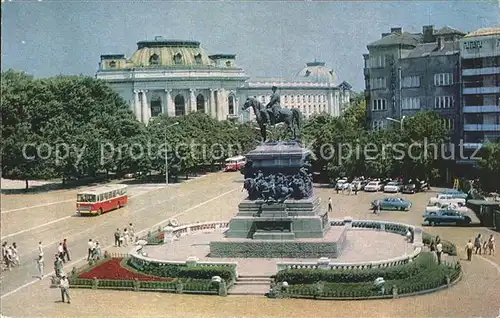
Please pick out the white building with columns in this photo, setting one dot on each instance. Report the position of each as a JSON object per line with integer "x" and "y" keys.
{"x": 175, "y": 77}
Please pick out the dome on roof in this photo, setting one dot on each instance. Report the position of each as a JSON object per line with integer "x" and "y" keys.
{"x": 317, "y": 72}
{"x": 161, "y": 52}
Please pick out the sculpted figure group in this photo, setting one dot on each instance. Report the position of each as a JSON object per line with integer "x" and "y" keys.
{"x": 279, "y": 187}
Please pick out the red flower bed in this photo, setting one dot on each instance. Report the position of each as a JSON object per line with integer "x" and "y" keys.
{"x": 160, "y": 236}
{"x": 113, "y": 270}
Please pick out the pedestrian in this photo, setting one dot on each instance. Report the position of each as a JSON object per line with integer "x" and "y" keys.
{"x": 356, "y": 187}
{"x": 477, "y": 244}
{"x": 125, "y": 237}
{"x": 58, "y": 266}
{"x": 40, "y": 265}
{"x": 330, "y": 208}
{"x": 15, "y": 255}
{"x": 491, "y": 244}
{"x": 349, "y": 189}
{"x": 97, "y": 251}
{"x": 64, "y": 285}
{"x": 91, "y": 247}
{"x": 40, "y": 248}
{"x": 4, "y": 255}
{"x": 375, "y": 207}
{"x": 378, "y": 206}
{"x": 131, "y": 232}
{"x": 469, "y": 248}
{"x": 60, "y": 252}
{"x": 117, "y": 238}
{"x": 9, "y": 259}
{"x": 439, "y": 252}
{"x": 66, "y": 250}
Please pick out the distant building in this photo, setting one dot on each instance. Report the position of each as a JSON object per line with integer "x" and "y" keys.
{"x": 175, "y": 77}
{"x": 409, "y": 72}
{"x": 480, "y": 63}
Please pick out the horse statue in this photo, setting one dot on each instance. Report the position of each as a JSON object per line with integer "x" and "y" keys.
{"x": 290, "y": 117}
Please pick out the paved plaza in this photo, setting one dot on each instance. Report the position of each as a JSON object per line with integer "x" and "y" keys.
{"x": 212, "y": 198}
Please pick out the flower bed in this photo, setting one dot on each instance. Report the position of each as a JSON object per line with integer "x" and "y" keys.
{"x": 422, "y": 275}
{"x": 112, "y": 269}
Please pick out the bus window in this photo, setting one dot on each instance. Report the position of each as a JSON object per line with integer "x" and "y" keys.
{"x": 85, "y": 198}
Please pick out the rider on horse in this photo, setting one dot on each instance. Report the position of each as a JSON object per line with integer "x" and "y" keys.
{"x": 273, "y": 106}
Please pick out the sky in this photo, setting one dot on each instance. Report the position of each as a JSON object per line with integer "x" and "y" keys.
{"x": 270, "y": 38}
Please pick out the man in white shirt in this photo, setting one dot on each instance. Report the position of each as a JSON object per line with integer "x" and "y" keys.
{"x": 64, "y": 285}
{"x": 439, "y": 251}
{"x": 60, "y": 251}
{"x": 91, "y": 248}
{"x": 40, "y": 248}
{"x": 40, "y": 265}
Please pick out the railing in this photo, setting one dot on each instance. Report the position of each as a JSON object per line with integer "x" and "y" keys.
{"x": 171, "y": 232}
{"x": 392, "y": 227}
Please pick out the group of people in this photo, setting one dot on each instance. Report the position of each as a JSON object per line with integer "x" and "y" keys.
{"x": 94, "y": 250}
{"x": 437, "y": 246}
{"x": 123, "y": 238}
{"x": 481, "y": 247}
{"x": 10, "y": 256}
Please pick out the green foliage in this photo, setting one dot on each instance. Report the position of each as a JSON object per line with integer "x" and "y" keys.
{"x": 448, "y": 247}
{"x": 227, "y": 273}
{"x": 490, "y": 167}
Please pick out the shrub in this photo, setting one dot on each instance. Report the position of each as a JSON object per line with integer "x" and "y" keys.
{"x": 448, "y": 247}
{"x": 227, "y": 273}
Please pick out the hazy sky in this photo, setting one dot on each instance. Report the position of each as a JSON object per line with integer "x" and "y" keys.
{"x": 270, "y": 38}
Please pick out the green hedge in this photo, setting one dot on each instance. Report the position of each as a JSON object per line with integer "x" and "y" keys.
{"x": 227, "y": 273}
{"x": 310, "y": 276}
{"x": 200, "y": 285}
{"x": 448, "y": 247}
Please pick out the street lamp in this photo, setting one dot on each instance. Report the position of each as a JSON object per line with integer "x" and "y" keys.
{"x": 166, "y": 153}
{"x": 397, "y": 121}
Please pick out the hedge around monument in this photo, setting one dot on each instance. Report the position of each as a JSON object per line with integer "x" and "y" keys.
{"x": 423, "y": 274}
{"x": 228, "y": 273}
{"x": 448, "y": 247}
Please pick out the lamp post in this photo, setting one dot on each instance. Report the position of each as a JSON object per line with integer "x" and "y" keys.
{"x": 397, "y": 121}
{"x": 166, "y": 153}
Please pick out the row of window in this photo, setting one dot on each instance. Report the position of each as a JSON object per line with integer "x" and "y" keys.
{"x": 440, "y": 79}
{"x": 447, "y": 123}
{"x": 440, "y": 102}
{"x": 298, "y": 98}
{"x": 155, "y": 60}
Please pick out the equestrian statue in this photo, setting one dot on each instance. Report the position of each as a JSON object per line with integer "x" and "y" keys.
{"x": 272, "y": 114}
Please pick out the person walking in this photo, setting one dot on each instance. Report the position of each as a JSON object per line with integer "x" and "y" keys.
{"x": 97, "y": 251}
{"x": 439, "y": 252}
{"x": 64, "y": 285}
{"x": 58, "y": 266}
{"x": 469, "y": 248}
{"x": 60, "y": 252}
{"x": 40, "y": 248}
{"x": 117, "y": 238}
{"x": 90, "y": 248}
{"x": 40, "y": 265}
{"x": 9, "y": 259}
{"x": 477, "y": 244}
{"x": 330, "y": 207}
{"x": 15, "y": 255}
{"x": 131, "y": 232}
{"x": 491, "y": 244}
{"x": 65, "y": 250}
{"x": 375, "y": 206}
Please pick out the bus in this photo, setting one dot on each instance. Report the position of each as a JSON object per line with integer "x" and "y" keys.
{"x": 102, "y": 199}
{"x": 234, "y": 163}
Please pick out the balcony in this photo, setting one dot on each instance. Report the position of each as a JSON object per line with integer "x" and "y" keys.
{"x": 481, "y": 109}
{"x": 481, "y": 90}
{"x": 481, "y": 127}
{"x": 480, "y": 71}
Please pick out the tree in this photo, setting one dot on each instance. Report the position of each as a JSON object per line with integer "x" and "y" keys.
{"x": 489, "y": 166}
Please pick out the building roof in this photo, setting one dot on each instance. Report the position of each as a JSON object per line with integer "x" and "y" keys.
{"x": 316, "y": 72}
{"x": 432, "y": 49}
{"x": 484, "y": 32}
{"x": 395, "y": 38}
{"x": 448, "y": 30}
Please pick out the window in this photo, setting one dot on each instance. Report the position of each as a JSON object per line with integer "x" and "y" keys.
{"x": 443, "y": 79}
{"x": 178, "y": 58}
{"x": 197, "y": 58}
{"x": 308, "y": 73}
{"x": 228, "y": 64}
{"x": 379, "y": 104}
{"x": 444, "y": 102}
{"x": 112, "y": 64}
{"x": 410, "y": 103}
{"x": 230, "y": 102}
{"x": 377, "y": 61}
{"x": 447, "y": 123}
{"x": 411, "y": 81}
{"x": 286, "y": 99}
{"x": 154, "y": 59}
{"x": 378, "y": 124}
{"x": 377, "y": 83}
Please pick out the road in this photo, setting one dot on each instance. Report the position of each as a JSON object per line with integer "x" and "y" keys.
{"x": 50, "y": 224}
{"x": 216, "y": 197}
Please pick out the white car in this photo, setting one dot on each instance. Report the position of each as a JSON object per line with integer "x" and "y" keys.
{"x": 447, "y": 206}
{"x": 374, "y": 186}
{"x": 342, "y": 184}
{"x": 392, "y": 187}
{"x": 446, "y": 198}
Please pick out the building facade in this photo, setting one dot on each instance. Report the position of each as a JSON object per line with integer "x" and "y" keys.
{"x": 480, "y": 78}
{"x": 409, "y": 72}
{"x": 175, "y": 77}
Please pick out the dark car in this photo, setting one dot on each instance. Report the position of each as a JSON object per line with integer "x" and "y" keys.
{"x": 409, "y": 188}
{"x": 446, "y": 216}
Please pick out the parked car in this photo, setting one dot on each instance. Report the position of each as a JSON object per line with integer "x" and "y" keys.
{"x": 446, "y": 206}
{"x": 456, "y": 193}
{"x": 446, "y": 198}
{"x": 393, "y": 203}
{"x": 342, "y": 184}
{"x": 360, "y": 185}
{"x": 409, "y": 188}
{"x": 446, "y": 216}
{"x": 374, "y": 186}
{"x": 392, "y": 187}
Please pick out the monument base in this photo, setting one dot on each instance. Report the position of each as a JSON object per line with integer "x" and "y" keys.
{"x": 328, "y": 246}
